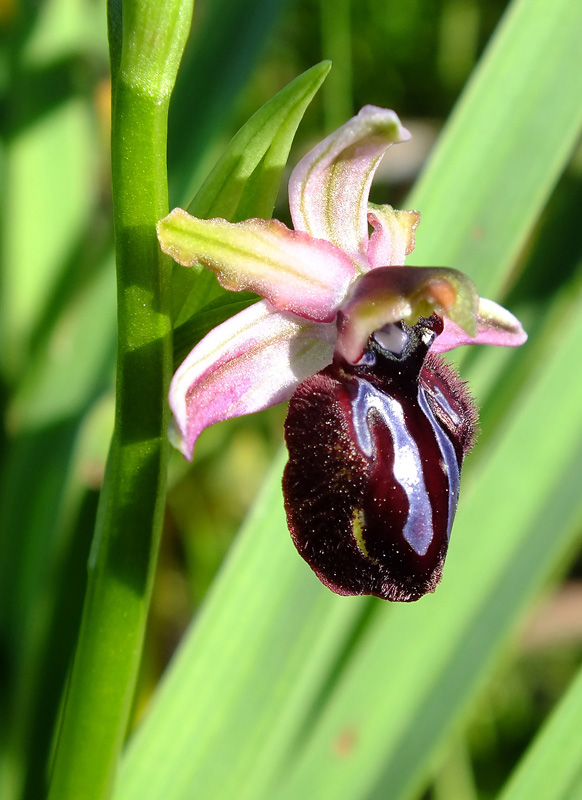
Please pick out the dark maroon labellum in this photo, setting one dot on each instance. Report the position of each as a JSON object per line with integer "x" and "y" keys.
{"x": 375, "y": 454}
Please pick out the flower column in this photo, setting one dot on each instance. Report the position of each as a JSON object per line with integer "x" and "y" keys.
{"x": 146, "y": 43}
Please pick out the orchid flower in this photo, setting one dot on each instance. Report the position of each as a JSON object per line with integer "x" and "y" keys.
{"x": 378, "y": 424}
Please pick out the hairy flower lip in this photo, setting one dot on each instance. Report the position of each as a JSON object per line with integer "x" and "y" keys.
{"x": 375, "y": 457}
{"x": 318, "y": 281}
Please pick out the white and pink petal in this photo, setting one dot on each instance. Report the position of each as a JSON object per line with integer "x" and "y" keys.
{"x": 329, "y": 188}
{"x": 495, "y": 325}
{"x": 308, "y": 277}
{"x": 252, "y": 361}
{"x": 393, "y": 236}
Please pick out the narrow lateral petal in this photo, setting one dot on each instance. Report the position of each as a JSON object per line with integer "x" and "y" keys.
{"x": 254, "y": 360}
{"x": 393, "y": 236}
{"x": 389, "y": 294}
{"x": 297, "y": 273}
{"x": 329, "y": 188}
{"x": 495, "y": 325}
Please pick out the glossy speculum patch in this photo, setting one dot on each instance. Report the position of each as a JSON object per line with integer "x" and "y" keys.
{"x": 375, "y": 454}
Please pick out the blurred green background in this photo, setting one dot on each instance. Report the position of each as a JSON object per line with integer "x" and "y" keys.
{"x": 58, "y": 316}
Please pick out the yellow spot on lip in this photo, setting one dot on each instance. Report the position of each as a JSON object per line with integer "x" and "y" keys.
{"x": 358, "y": 526}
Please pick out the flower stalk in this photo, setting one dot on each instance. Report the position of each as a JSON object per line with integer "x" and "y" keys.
{"x": 146, "y": 43}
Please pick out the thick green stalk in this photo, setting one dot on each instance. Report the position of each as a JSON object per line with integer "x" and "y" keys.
{"x": 146, "y": 42}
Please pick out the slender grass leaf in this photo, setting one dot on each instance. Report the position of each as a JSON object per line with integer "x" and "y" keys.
{"x": 48, "y": 170}
{"x": 39, "y": 499}
{"x": 552, "y": 766}
{"x": 79, "y": 352}
{"x": 50, "y": 193}
{"x": 505, "y": 146}
{"x": 227, "y": 40}
{"x": 245, "y": 181}
{"x": 336, "y": 43}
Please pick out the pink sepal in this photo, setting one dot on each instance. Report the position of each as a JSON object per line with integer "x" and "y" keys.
{"x": 329, "y": 188}
{"x": 294, "y": 271}
{"x": 495, "y": 325}
{"x": 252, "y": 361}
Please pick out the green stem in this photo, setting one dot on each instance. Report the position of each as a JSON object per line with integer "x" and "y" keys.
{"x": 146, "y": 42}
